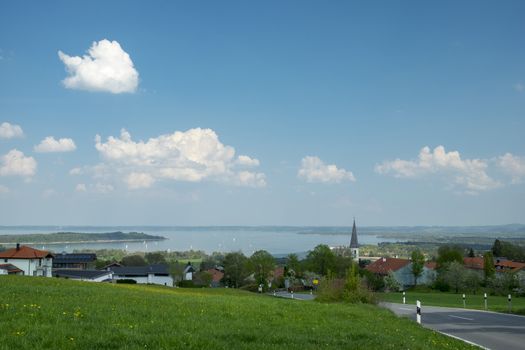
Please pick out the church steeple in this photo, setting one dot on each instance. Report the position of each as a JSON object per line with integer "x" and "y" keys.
{"x": 354, "y": 246}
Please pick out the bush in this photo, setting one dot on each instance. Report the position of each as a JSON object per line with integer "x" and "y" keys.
{"x": 350, "y": 290}
{"x": 187, "y": 284}
{"x": 252, "y": 287}
{"x": 126, "y": 281}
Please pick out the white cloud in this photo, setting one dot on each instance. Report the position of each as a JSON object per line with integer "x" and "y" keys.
{"x": 16, "y": 163}
{"x": 139, "y": 180}
{"x": 247, "y": 161}
{"x": 76, "y": 171}
{"x": 3, "y": 189}
{"x": 519, "y": 87}
{"x": 514, "y": 166}
{"x": 8, "y": 131}
{"x": 106, "y": 67}
{"x": 50, "y": 144}
{"x": 313, "y": 169}
{"x": 103, "y": 188}
{"x": 81, "y": 188}
{"x": 194, "y": 155}
{"x": 469, "y": 173}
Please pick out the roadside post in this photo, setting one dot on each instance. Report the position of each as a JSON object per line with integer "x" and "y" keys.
{"x": 404, "y": 299}
{"x": 418, "y": 312}
{"x": 292, "y": 294}
{"x": 510, "y": 303}
{"x": 274, "y": 292}
{"x": 464, "y": 304}
{"x": 485, "y": 297}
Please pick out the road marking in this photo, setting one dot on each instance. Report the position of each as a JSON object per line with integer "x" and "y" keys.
{"x": 463, "y": 318}
{"x": 465, "y": 340}
{"x": 407, "y": 309}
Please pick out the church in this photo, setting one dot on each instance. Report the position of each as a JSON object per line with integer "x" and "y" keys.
{"x": 354, "y": 246}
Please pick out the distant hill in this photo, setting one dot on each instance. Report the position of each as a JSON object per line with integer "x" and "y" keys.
{"x": 76, "y": 237}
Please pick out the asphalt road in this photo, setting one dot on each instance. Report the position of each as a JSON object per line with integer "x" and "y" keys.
{"x": 298, "y": 296}
{"x": 490, "y": 330}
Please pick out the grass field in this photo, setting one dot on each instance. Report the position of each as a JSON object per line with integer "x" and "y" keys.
{"x": 494, "y": 303}
{"x": 52, "y": 313}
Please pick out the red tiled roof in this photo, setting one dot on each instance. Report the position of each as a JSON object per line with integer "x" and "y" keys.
{"x": 475, "y": 263}
{"x": 508, "y": 264}
{"x": 216, "y": 275}
{"x": 383, "y": 266}
{"x": 431, "y": 265}
{"x": 24, "y": 252}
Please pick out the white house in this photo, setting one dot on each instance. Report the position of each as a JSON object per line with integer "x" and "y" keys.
{"x": 188, "y": 272}
{"x": 32, "y": 262}
{"x": 152, "y": 274}
{"x": 402, "y": 270}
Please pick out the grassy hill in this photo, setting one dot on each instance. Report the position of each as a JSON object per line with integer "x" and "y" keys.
{"x": 60, "y": 314}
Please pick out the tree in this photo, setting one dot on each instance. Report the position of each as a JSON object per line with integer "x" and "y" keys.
{"x": 488, "y": 265}
{"x": 391, "y": 282}
{"x": 321, "y": 259}
{"x": 497, "y": 248}
{"x": 176, "y": 270}
{"x": 471, "y": 253}
{"x": 155, "y": 258}
{"x": 262, "y": 264}
{"x": 293, "y": 263}
{"x": 133, "y": 260}
{"x": 418, "y": 264}
{"x": 455, "y": 275}
{"x": 235, "y": 269}
{"x": 447, "y": 254}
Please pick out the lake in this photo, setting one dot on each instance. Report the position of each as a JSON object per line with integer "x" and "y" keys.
{"x": 276, "y": 240}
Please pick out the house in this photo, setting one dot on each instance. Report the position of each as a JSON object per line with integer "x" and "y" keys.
{"x": 402, "y": 271}
{"x": 151, "y": 274}
{"x": 32, "y": 262}
{"x": 500, "y": 264}
{"x": 84, "y": 275}
{"x": 74, "y": 261}
{"x": 9, "y": 269}
{"x": 187, "y": 274}
{"x": 216, "y": 277}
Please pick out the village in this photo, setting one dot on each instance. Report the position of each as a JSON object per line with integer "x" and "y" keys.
{"x": 454, "y": 270}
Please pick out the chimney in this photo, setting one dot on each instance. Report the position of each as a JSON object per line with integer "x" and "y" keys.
{"x": 384, "y": 259}
{"x": 18, "y": 246}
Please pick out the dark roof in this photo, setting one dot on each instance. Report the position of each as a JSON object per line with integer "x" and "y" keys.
{"x": 64, "y": 258}
{"x": 10, "y": 268}
{"x": 159, "y": 269}
{"x": 72, "y": 273}
{"x": 353, "y": 240}
{"x": 25, "y": 252}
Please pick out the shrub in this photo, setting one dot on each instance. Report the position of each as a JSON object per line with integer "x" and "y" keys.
{"x": 127, "y": 281}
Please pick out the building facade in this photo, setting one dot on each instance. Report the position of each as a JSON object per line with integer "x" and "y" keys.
{"x": 32, "y": 262}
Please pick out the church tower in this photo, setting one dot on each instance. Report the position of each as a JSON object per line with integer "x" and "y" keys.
{"x": 354, "y": 246}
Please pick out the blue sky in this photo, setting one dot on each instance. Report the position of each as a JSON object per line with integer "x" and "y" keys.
{"x": 331, "y": 106}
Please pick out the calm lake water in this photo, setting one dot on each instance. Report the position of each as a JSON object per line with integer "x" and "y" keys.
{"x": 276, "y": 240}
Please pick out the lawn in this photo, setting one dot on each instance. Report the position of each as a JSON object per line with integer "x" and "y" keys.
{"x": 473, "y": 301}
{"x": 53, "y": 313}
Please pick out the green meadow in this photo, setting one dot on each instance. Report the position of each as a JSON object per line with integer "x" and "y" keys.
{"x": 50, "y": 313}
{"x": 472, "y": 301}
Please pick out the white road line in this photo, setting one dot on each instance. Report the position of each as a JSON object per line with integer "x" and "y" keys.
{"x": 465, "y": 340}
{"x": 407, "y": 309}
{"x": 463, "y": 318}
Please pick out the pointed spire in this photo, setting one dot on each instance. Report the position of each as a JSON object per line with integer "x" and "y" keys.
{"x": 353, "y": 240}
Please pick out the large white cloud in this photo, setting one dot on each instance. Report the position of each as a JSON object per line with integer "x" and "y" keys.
{"x": 468, "y": 173}
{"x": 8, "y": 131}
{"x": 50, "y": 144}
{"x": 15, "y": 163}
{"x": 313, "y": 169}
{"x": 106, "y": 67}
{"x": 194, "y": 155}
{"x": 514, "y": 166}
